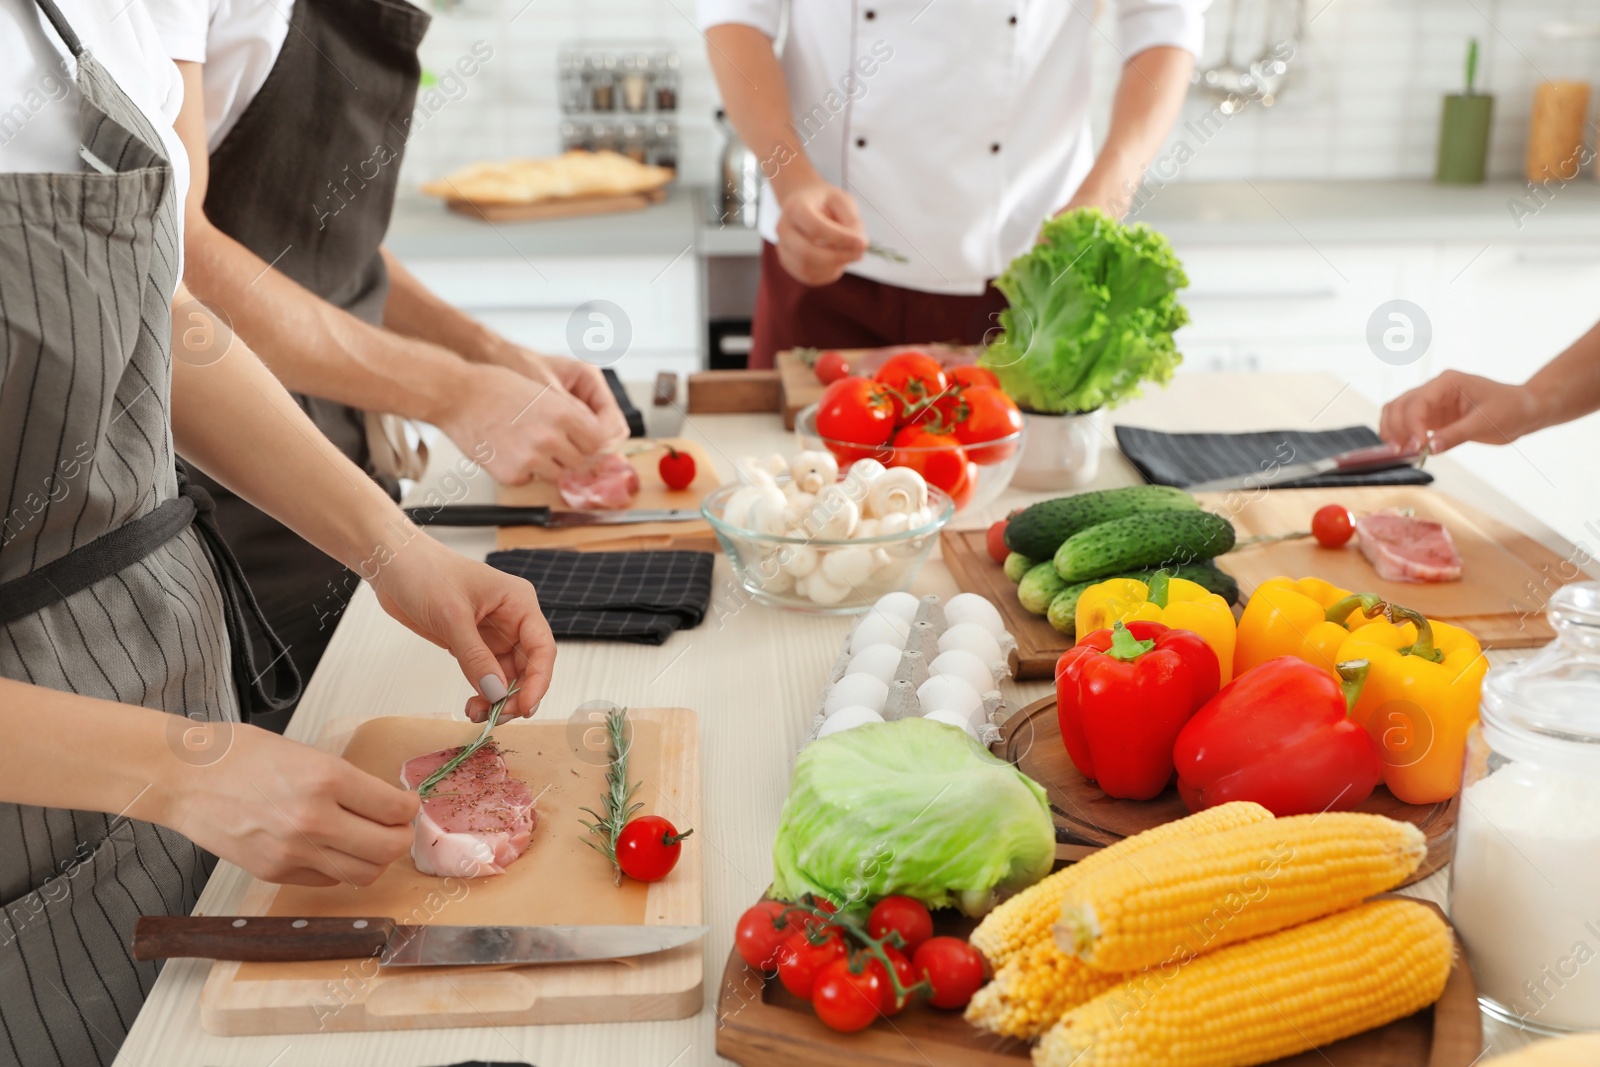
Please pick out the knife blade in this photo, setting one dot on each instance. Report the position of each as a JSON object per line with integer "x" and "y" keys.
{"x": 1356, "y": 461}
{"x": 285, "y": 939}
{"x": 508, "y": 515}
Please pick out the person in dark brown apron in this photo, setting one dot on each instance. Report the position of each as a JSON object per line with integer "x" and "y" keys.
{"x": 287, "y": 244}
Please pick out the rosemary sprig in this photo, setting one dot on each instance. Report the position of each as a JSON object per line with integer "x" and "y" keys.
{"x": 425, "y": 790}
{"x": 885, "y": 252}
{"x": 619, "y": 804}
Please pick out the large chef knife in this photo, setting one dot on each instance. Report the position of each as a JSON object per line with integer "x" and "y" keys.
{"x": 507, "y": 515}
{"x": 275, "y": 939}
{"x": 1359, "y": 461}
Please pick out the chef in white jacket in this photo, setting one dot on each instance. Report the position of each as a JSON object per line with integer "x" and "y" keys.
{"x": 941, "y": 132}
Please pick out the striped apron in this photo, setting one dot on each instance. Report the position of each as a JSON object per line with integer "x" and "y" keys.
{"x": 88, "y": 263}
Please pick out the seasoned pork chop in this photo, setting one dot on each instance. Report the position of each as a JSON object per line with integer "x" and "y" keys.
{"x": 476, "y": 821}
{"x": 1404, "y": 549}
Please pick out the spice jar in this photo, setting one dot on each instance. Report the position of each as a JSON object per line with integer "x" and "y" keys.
{"x": 1523, "y": 885}
{"x": 1567, "y": 54}
{"x": 665, "y": 69}
{"x": 633, "y": 141}
{"x": 603, "y": 83}
{"x": 635, "y": 83}
{"x": 664, "y": 144}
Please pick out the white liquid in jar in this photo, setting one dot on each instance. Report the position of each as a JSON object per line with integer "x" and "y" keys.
{"x": 1525, "y": 894}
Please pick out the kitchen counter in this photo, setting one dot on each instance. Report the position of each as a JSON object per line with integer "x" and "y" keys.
{"x": 753, "y": 674}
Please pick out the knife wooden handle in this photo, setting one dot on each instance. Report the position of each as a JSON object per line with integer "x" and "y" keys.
{"x": 259, "y": 939}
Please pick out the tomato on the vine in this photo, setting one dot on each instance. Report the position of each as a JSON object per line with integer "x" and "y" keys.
{"x": 952, "y": 967}
{"x": 972, "y": 374}
{"x": 800, "y": 960}
{"x": 676, "y": 469}
{"x": 648, "y": 847}
{"x": 855, "y": 411}
{"x": 757, "y": 937}
{"x": 905, "y": 916}
{"x": 902, "y": 971}
{"x": 990, "y": 416}
{"x": 1332, "y": 525}
{"x": 938, "y": 457}
{"x": 995, "y": 541}
{"x": 848, "y": 1002}
{"x": 962, "y": 494}
{"x": 911, "y": 377}
{"x": 830, "y": 367}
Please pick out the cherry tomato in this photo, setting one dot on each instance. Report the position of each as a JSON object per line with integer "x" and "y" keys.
{"x": 800, "y": 961}
{"x": 757, "y": 937}
{"x": 938, "y": 457}
{"x": 907, "y": 917}
{"x": 847, "y": 1002}
{"x": 830, "y": 367}
{"x": 855, "y": 411}
{"x": 952, "y": 967}
{"x": 902, "y": 971}
{"x": 990, "y": 415}
{"x": 972, "y": 374}
{"x": 911, "y": 377}
{"x": 995, "y": 541}
{"x": 1332, "y": 525}
{"x": 677, "y": 469}
{"x": 963, "y": 493}
{"x": 648, "y": 847}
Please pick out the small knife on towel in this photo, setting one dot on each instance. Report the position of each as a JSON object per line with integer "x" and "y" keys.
{"x": 507, "y": 515}
{"x": 275, "y": 939}
{"x": 1359, "y": 461}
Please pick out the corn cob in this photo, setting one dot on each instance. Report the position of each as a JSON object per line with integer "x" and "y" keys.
{"x": 1025, "y": 919}
{"x": 1262, "y": 999}
{"x": 1031, "y": 992}
{"x": 1191, "y": 895}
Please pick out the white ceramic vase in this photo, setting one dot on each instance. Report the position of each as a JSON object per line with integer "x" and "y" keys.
{"x": 1060, "y": 451}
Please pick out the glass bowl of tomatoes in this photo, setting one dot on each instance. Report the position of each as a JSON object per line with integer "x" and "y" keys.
{"x": 821, "y": 574}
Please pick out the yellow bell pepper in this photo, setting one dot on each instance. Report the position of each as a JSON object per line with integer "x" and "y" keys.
{"x": 1176, "y": 603}
{"x": 1419, "y": 700}
{"x": 1305, "y": 619}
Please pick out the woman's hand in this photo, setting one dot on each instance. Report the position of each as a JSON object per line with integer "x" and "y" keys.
{"x": 1455, "y": 408}
{"x": 489, "y": 620}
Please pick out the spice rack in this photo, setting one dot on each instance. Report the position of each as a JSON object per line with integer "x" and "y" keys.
{"x": 620, "y": 96}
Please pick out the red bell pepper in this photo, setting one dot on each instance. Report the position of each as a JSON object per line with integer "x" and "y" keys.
{"x": 1280, "y": 734}
{"x": 1123, "y": 694}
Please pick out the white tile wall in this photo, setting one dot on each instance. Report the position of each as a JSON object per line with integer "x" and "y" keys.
{"x": 1363, "y": 100}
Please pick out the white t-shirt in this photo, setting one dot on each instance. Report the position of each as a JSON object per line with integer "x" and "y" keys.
{"x": 237, "y": 40}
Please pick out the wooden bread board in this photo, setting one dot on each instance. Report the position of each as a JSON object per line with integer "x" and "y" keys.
{"x": 801, "y": 389}
{"x": 559, "y": 880}
{"x": 695, "y": 535}
{"x": 760, "y": 1024}
{"x": 560, "y": 208}
{"x": 1083, "y": 814}
{"x": 1039, "y": 645}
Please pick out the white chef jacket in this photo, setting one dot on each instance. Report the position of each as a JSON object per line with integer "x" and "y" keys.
{"x": 959, "y": 126}
{"x": 237, "y": 40}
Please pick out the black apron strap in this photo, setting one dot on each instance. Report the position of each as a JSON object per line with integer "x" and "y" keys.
{"x": 59, "y": 21}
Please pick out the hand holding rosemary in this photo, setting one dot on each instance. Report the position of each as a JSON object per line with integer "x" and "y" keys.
{"x": 645, "y": 849}
{"x": 430, "y": 783}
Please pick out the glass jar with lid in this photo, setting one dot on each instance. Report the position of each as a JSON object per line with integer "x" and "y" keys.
{"x": 1525, "y": 881}
{"x": 1567, "y": 56}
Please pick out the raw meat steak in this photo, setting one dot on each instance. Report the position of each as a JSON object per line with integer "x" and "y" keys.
{"x": 1403, "y": 549}
{"x": 610, "y": 483}
{"x": 475, "y": 822}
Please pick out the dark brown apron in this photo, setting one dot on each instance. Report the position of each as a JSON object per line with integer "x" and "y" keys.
{"x": 306, "y": 181}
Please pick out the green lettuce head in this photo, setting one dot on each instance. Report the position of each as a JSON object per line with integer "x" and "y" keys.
{"x": 913, "y": 807}
{"x": 1093, "y": 309}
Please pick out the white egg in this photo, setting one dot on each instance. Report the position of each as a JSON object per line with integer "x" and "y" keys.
{"x": 945, "y": 692}
{"x": 880, "y": 661}
{"x": 877, "y": 628}
{"x": 900, "y": 605}
{"x": 846, "y": 719}
{"x": 959, "y": 663}
{"x": 970, "y": 607}
{"x": 971, "y": 637}
{"x": 856, "y": 690}
{"x": 950, "y": 718}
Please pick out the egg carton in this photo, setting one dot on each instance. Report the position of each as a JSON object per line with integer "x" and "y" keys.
{"x": 912, "y": 671}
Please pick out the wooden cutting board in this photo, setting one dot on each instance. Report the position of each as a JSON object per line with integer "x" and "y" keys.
{"x": 559, "y": 880}
{"x": 760, "y": 1024}
{"x": 560, "y": 208}
{"x": 800, "y": 387}
{"x": 1039, "y": 645}
{"x": 1506, "y": 576}
{"x": 653, "y": 493}
{"x": 1084, "y": 814}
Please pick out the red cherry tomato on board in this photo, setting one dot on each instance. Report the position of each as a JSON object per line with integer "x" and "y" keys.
{"x": 757, "y": 937}
{"x": 905, "y": 916}
{"x": 849, "y": 1002}
{"x": 648, "y": 847}
{"x": 995, "y": 542}
{"x": 953, "y": 968}
{"x": 855, "y": 411}
{"x": 902, "y": 971}
{"x": 800, "y": 961}
{"x": 1332, "y": 525}
{"x": 972, "y": 374}
{"x": 938, "y": 457}
{"x": 676, "y": 468}
{"x": 990, "y": 415}
{"x": 911, "y": 377}
{"x": 830, "y": 367}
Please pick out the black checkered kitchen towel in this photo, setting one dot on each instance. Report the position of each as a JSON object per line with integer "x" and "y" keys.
{"x": 615, "y": 596}
{"x": 1182, "y": 459}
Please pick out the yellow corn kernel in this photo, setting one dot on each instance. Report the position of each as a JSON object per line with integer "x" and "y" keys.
{"x": 1025, "y": 919}
{"x": 1190, "y": 895}
{"x": 1034, "y": 989}
{"x": 1262, "y": 999}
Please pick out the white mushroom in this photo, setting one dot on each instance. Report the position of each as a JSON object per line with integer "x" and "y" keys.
{"x": 737, "y": 510}
{"x": 921, "y": 517}
{"x": 847, "y": 566}
{"x": 799, "y": 560}
{"x": 813, "y": 470}
{"x": 897, "y": 523}
{"x": 867, "y": 528}
{"x": 752, "y": 473}
{"x": 833, "y": 514}
{"x": 900, "y": 491}
{"x": 800, "y": 505}
{"x": 823, "y": 592}
{"x": 773, "y": 463}
{"x": 766, "y": 511}
{"x": 859, "y": 478}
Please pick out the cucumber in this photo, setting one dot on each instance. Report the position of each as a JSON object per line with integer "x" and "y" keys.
{"x": 1063, "y": 609}
{"x": 1038, "y": 531}
{"x": 1147, "y": 539}
{"x": 1038, "y": 587}
{"x": 1017, "y": 565}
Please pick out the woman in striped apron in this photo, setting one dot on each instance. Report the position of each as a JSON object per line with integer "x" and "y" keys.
{"x": 123, "y": 765}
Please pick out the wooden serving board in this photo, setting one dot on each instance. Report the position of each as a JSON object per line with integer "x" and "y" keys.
{"x": 653, "y": 493}
{"x": 561, "y": 208}
{"x": 760, "y": 1024}
{"x": 559, "y": 880}
{"x": 1039, "y": 644}
{"x": 1506, "y": 576}
{"x": 800, "y": 387}
{"x": 1083, "y": 814}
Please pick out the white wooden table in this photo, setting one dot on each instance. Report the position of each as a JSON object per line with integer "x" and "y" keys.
{"x": 754, "y": 675}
